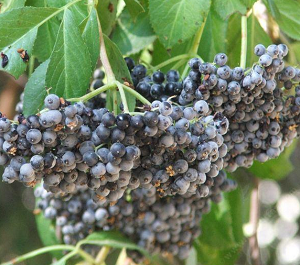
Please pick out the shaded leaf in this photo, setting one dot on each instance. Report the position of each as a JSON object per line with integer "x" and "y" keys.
{"x": 227, "y": 8}
{"x": 16, "y": 23}
{"x": 277, "y": 168}
{"x": 11, "y": 4}
{"x": 91, "y": 37}
{"x": 16, "y": 66}
{"x": 132, "y": 37}
{"x": 273, "y": 8}
{"x": 120, "y": 70}
{"x": 287, "y": 16}
{"x": 35, "y": 90}
{"x": 45, "y": 40}
{"x": 134, "y": 7}
{"x": 107, "y": 11}
{"x": 178, "y": 20}
{"x": 214, "y": 34}
{"x": 69, "y": 69}
{"x": 249, "y": 3}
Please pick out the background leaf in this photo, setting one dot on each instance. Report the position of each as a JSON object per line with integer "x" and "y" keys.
{"x": 69, "y": 70}
{"x": 91, "y": 37}
{"x": 120, "y": 70}
{"x": 45, "y": 40}
{"x": 276, "y": 168}
{"x": 132, "y": 37}
{"x": 107, "y": 11}
{"x": 35, "y": 90}
{"x": 16, "y": 23}
{"x": 134, "y": 7}
{"x": 287, "y": 16}
{"x": 11, "y": 4}
{"x": 222, "y": 234}
{"x": 256, "y": 35}
{"x": 178, "y": 20}
{"x": 215, "y": 30}
{"x": 229, "y": 7}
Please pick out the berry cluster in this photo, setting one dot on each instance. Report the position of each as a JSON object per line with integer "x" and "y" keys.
{"x": 157, "y": 224}
{"x": 168, "y": 159}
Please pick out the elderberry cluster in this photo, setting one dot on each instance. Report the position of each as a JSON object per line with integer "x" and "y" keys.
{"x": 166, "y": 225}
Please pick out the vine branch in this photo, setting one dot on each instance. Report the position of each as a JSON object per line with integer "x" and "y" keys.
{"x": 254, "y": 218}
{"x": 243, "y": 41}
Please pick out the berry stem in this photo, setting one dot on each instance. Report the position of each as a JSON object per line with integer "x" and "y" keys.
{"x": 103, "y": 55}
{"x": 40, "y": 251}
{"x": 31, "y": 65}
{"x": 197, "y": 39}
{"x": 171, "y": 60}
{"x": 243, "y": 41}
{"x": 94, "y": 93}
{"x": 102, "y": 255}
{"x": 136, "y": 95}
{"x": 123, "y": 97}
{"x": 115, "y": 101}
{"x": 85, "y": 256}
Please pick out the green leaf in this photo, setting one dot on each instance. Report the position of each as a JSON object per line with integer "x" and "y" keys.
{"x": 134, "y": 7}
{"x": 120, "y": 70}
{"x": 45, "y": 40}
{"x": 35, "y": 90}
{"x": 132, "y": 37}
{"x": 16, "y": 23}
{"x": 273, "y": 8}
{"x": 113, "y": 239}
{"x": 178, "y": 20}
{"x": 107, "y": 11}
{"x": 91, "y": 37}
{"x": 256, "y": 35}
{"x": 69, "y": 69}
{"x": 229, "y": 7}
{"x": 16, "y": 66}
{"x": 222, "y": 234}
{"x": 213, "y": 36}
{"x": 276, "y": 168}
{"x": 287, "y": 16}
{"x": 11, "y": 4}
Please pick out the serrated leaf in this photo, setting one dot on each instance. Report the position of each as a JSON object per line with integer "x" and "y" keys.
{"x": 69, "y": 69}
{"x": 35, "y": 90}
{"x": 134, "y": 7}
{"x": 45, "y": 40}
{"x": 120, "y": 71}
{"x": 214, "y": 31}
{"x": 113, "y": 239}
{"x": 11, "y": 4}
{"x": 132, "y": 37}
{"x": 36, "y": 3}
{"x": 16, "y": 66}
{"x": 178, "y": 20}
{"x": 107, "y": 11}
{"x": 222, "y": 234}
{"x": 276, "y": 168}
{"x": 256, "y": 35}
{"x": 227, "y": 8}
{"x": 91, "y": 37}
{"x": 16, "y": 23}
{"x": 287, "y": 17}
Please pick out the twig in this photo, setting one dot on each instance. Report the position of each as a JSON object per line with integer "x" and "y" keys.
{"x": 254, "y": 218}
{"x": 102, "y": 255}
